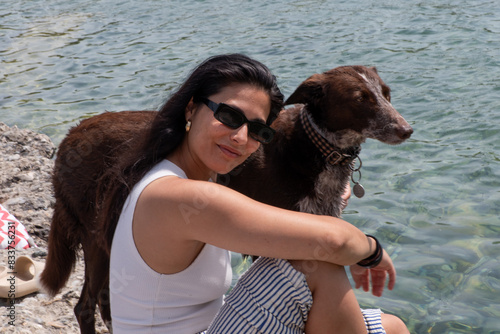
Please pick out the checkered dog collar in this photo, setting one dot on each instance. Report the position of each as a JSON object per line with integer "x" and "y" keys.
{"x": 332, "y": 154}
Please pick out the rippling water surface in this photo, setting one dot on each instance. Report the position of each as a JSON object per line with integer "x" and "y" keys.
{"x": 434, "y": 200}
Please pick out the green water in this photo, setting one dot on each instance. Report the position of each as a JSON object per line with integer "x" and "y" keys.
{"x": 434, "y": 201}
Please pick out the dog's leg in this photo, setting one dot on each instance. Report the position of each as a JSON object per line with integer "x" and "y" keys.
{"x": 102, "y": 276}
{"x": 104, "y": 305}
{"x": 95, "y": 289}
{"x": 85, "y": 309}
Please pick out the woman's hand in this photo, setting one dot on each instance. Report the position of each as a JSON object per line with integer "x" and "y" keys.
{"x": 378, "y": 275}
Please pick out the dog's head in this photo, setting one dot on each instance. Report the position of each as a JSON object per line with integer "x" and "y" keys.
{"x": 352, "y": 103}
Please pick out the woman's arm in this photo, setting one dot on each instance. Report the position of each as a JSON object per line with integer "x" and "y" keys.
{"x": 181, "y": 211}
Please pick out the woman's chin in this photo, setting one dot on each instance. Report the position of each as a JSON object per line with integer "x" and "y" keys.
{"x": 226, "y": 168}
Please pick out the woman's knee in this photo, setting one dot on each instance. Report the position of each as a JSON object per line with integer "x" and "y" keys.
{"x": 323, "y": 276}
{"x": 393, "y": 324}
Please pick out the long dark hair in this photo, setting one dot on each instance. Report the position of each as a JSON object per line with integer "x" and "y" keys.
{"x": 168, "y": 130}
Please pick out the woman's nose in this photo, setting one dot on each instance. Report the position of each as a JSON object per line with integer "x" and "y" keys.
{"x": 240, "y": 135}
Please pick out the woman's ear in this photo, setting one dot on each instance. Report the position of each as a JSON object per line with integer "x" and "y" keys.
{"x": 190, "y": 109}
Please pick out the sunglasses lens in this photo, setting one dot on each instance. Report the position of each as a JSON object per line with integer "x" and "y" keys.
{"x": 261, "y": 132}
{"x": 229, "y": 116}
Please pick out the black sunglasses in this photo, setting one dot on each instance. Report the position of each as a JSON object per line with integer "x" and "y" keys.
{"x": 234, "y": 119}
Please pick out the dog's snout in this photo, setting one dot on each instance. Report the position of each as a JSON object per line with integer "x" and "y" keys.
{"x": 405, "y": 132}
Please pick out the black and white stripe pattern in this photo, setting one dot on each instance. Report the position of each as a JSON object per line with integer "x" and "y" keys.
{"x": 272, "y": 297}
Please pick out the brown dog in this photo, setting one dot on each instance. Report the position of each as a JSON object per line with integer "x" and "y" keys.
{"x": 305, "y": 168}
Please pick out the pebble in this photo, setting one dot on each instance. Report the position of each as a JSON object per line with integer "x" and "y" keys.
{"x": 30, "y": 176}
{"x": 13, "y": 201}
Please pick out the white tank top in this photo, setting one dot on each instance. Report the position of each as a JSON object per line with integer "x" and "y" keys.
{"x": 145, "y": 301}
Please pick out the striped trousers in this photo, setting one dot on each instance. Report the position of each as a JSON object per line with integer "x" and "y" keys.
{"x": 271, "y": 297}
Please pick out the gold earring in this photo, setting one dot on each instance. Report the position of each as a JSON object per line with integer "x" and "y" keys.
{"x": 188, "y": 126}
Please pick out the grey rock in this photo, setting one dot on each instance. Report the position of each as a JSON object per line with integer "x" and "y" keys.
{"x": 26, "y": 165}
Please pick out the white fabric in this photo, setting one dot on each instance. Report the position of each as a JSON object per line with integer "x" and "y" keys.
{"x": 144, "y": 301}
{"x": 13, "y": 234}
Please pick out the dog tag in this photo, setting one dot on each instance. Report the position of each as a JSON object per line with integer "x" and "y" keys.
{"x": 358, "y": 190}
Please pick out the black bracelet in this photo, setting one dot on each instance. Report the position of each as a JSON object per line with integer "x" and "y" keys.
{"x": 374, "y": 259}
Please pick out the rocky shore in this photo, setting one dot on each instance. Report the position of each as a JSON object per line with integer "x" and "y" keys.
{"x": 26, "y": 162}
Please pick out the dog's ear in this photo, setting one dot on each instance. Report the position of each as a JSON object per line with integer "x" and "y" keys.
{"x": 374, "y": 69}
{"x": 308, "y": 92}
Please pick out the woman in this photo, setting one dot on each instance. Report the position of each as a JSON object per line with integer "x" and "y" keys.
{"x": 169, "y": 264}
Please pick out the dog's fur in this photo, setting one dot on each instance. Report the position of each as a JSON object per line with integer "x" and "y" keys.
{"x": 348, "y": 104}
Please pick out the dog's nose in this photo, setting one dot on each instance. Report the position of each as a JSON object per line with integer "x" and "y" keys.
{"x": 405, "y": 132}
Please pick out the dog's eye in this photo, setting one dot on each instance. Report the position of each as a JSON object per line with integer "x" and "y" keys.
{"x": 362, "y": 97}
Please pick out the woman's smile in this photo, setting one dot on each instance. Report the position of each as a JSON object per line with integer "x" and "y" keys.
{"x": 229, "y": 151}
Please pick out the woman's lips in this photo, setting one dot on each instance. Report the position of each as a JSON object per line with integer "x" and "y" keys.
{"x": 230, "y": 152}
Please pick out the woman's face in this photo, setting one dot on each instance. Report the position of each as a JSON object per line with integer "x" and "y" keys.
{"x": 217, "y": 147}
